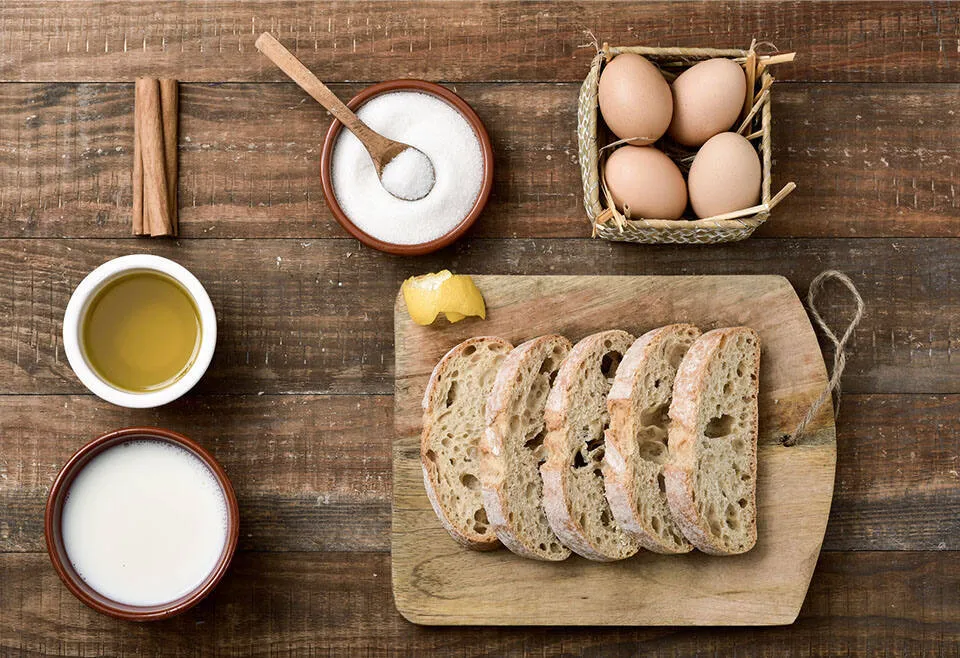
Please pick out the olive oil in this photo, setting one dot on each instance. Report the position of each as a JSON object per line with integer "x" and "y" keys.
{"x": 141, "y": 332}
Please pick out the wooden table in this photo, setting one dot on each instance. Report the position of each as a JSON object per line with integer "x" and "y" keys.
{"x": 298, "y": 403}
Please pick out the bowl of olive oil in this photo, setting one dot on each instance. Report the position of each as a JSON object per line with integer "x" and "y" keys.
{"x": 139, "y": 331}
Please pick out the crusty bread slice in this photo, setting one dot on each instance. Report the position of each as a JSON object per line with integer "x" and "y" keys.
{"x": 453, "y": 423}
{"x": 636, "y": 442}
{"x": 576, "y": 416}
{"x": 711, "y": 477}
{"x": 512, "y": 449}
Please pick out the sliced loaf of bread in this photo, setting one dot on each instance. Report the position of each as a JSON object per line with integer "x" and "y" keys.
{"x": 711, "y": 477}
{"x": 512, "y": 449}
{"x": 636, "y": 441}
{"x": 454, "y": 406}
{"x": 576, "y": 417}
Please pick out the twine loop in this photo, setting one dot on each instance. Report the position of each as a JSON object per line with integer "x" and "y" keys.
{"x": 839, "y": 345}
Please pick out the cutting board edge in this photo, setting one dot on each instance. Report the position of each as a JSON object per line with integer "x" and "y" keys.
{"x": 408, "y": 606}
{"x": 408, "y": 609}
{"x": 400, "y": 308}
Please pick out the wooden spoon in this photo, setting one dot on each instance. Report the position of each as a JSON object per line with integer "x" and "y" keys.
{"x": 381, "y": 149}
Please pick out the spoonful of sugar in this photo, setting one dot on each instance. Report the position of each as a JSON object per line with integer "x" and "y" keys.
{"x": 404, "y": 171}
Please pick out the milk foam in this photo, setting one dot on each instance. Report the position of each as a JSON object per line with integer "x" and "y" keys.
{"x": 144, "y": 522}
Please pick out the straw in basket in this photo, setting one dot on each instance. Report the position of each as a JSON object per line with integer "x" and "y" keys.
{"x": 755, "y": 124}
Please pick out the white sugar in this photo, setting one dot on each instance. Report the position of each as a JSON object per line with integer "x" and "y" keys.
{"x": 443, "y": 135}
{"x": 409, "y": 175}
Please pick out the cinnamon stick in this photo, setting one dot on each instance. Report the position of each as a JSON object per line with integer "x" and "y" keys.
{"x": 138, "y": 226}
{"x": 169, "y": 111}
{"x": 156, "y": 107}
{"x": 156, "y": 209}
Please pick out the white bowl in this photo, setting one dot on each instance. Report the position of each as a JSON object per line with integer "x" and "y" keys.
{"x": 77, "y": 307}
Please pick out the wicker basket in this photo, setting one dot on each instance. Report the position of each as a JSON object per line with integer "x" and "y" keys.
{"x": 607, "y": 221}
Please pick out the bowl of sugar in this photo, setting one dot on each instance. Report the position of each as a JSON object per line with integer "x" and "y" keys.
{"x": 141, "y": 524}
{"x": 440, "y": 124}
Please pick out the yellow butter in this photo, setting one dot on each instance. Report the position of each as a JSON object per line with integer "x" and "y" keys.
{"x": 454, "y": 295}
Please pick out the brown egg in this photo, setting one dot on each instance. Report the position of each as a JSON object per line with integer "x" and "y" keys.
{"x": 647, "y": 182}
{"x": 725, "y": 176}
{"x": 635, "y": 99}
{"x": 707, "y": 99}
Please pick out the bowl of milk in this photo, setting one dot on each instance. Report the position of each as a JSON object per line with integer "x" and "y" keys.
{"x": 141, "y": 523}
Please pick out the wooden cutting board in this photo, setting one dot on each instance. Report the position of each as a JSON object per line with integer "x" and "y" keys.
{"x": 435, "y": 581}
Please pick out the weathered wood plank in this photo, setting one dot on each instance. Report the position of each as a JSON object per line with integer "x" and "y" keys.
{"x": 313, "y": 472}
{"x": 310, "y": 472}
{"x": 870, "y": 160}
{"x": 305, "y": 316}
{"x": 897, "y": 474}
{"x": 108, "y": 41}
{"x": 278, "y": 603}
{"x": 317, "y": 316}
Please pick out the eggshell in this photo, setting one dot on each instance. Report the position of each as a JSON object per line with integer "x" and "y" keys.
{"x": 725, "y": 176}
{"x": 635, "y": 99}
{"x": 707, "y": 99}
{"x": 647, "y": 181}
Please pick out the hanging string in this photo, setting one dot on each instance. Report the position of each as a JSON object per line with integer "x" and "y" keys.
{"x": 839, "y": 345}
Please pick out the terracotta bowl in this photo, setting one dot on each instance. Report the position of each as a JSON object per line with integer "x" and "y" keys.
{"x": 58, "y": 554}
{"x": 461, "y": 106}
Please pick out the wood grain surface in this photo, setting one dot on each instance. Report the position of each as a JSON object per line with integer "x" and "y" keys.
{"x": 870, "y": 160}
{"x": 316, "y": 467}
{"x": 436, "y": 581}
{"x": 316, "y": 316}
{"x": 449, "y": 40}
{"x": 860, "y": 603}
{"x": 298, "y": 405}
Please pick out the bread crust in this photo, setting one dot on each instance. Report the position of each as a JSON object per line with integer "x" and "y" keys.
{"x": 690, "y": 386}
{"x": 619, "y": 475}
{"x": 493, "y": 446}
{"x": 556, "y": 471}
{"x": 431, "y": 479}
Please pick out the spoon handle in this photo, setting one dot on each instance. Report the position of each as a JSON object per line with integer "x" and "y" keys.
{"x": 287, "y": 62}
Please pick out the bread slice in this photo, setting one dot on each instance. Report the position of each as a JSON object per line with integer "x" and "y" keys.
{"x": 711, "y": 478}
{"x": 636, "y": 442}
{"x": 576, "y": 417}
{"x": 512, "y": 449}
{"x": 453, "y": 422}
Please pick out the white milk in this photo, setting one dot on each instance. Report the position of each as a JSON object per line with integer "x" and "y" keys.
{"x": 144, "y": 522}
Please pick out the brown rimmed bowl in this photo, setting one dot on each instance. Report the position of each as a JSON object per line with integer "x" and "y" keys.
{"x": 58, "y": 554}
{"x": 486, "y": 148}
